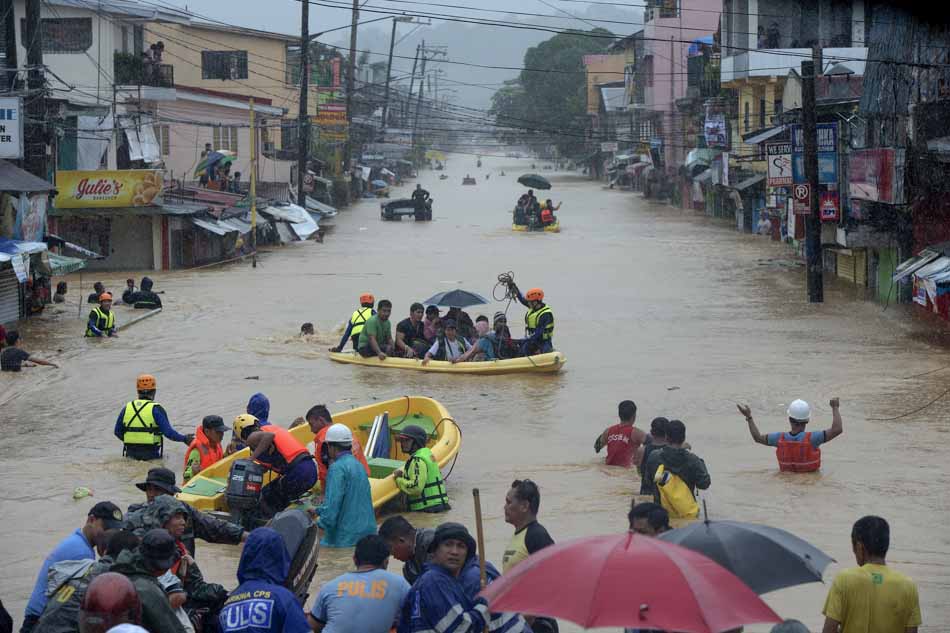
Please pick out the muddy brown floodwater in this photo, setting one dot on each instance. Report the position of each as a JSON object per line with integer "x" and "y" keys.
{"x": 678, "y": 313}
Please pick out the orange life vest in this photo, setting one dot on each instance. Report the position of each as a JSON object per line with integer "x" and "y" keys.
{"x": 209, "y": 454}
{"x": 286, "y": 449}
{"x": 322, "y": 468}
{"x": 797, "y": 457}
{"x": 547, "y": 216}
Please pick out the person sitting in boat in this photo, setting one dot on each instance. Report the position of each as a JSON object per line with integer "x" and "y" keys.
{"x": 448, "y": 346}
{"x": 410, "y": 333}
{"x": 206, "y": 448}
{"x": 420, "y": 479}
{"x": 354, "y": 327}
{"x": 346, "y": 514}
{"x": 318, "y": 418}
{"x": 466, "y": 328}
{"x": 547, "y": 212}
{"x": 538, "y": 321}
{"x": 483, "y": 348}
{"x": 432, "y": 324}
{"x": 505, "y": 346}
{"x": 274, "y": 447}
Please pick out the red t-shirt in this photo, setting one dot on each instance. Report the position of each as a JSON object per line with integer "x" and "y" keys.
{"x": 623, "y": 442}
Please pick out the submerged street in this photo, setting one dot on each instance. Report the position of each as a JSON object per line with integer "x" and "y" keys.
{"x": 681, "y": 314}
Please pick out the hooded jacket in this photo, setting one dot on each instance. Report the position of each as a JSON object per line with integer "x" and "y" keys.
{"x": 261, "y": 604}
{"x": 199, "y": 525}
{"x": 346, "y": 514}
{"x": 259, "y": 407}
{"x": 682, "y": 462}
{"x": 144, "y": 299}
{"x": 68, "y": 581}
{"x": 157, "y": 613}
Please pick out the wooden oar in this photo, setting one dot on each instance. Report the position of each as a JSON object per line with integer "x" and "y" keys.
{"x": 480, "y": 541}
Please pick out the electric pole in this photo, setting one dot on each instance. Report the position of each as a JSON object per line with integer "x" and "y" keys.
{"x": 422, "y": 82}
{"x": 813, "y": 255}
{"x": 348, "y": 146}
{"x": 303, "y": 115}
{"x": 9, "y": 26}
{"x": 412, "y": 78}
{"x": 389, "y": 74}
{"x": 34, "y": 158}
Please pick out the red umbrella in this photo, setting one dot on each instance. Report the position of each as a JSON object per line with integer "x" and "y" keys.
{"x": 629, "y": 580}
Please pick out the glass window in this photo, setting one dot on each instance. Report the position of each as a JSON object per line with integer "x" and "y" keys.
{"x": 63, "y": 35}
{"x": 225, "y": 137}
{"x": 162, "y": 133}
{"x": 224, "y": 65}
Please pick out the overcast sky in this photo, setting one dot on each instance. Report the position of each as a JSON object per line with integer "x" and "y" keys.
{"x": 489, "y": 45}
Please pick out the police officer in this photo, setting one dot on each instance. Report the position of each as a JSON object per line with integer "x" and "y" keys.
{"x": 142, "y": 424}
{"x": 358, "y": 319}
{"x": 420, "y": 479}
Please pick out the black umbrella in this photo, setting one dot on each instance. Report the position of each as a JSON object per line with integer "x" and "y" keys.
{"x": 763, "y": 557}
{"x": 456, "y": 299}
{"x": 534, "y": 181}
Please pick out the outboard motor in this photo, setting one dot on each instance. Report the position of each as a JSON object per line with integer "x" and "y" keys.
{"x": 243, "y": 493}
{"x": 302, "y": 539}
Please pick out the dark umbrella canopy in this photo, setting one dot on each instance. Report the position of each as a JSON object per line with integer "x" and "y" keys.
{"x": 456, "y": 299}
{"x": 763, "y": 557}
{"x": 534, "y": 181}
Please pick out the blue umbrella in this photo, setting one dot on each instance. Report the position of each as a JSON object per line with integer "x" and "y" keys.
{"x": 456, "y": 299}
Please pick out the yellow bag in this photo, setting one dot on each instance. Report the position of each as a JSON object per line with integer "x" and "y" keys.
{"x": 675, "y": 495}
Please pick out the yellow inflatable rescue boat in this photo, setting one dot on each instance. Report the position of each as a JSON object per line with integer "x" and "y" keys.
{"x": 542, "y": 363}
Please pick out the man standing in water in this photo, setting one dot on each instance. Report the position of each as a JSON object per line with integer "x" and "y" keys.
{"x": 797, "y": 450}
{"x": 142, "y": 424}
{"x": 622, "y": 440}
{"x": 102, "y": 319}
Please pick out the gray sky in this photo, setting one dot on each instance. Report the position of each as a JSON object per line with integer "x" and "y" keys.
{"x": 496, "y": 46}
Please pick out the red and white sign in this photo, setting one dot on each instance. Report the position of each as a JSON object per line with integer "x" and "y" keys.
{"x": 801, "y": 196}
{"x": 828, "y": 208}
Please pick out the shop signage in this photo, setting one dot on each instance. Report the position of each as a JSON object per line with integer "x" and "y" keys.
{"x": 827, "y": 154}
{"x": 120, "y": 188}
{"x": 331, "y": 117}
{"x": 780, "y": 164}
{"x": 828, "y": 208}
{"x": 877, "y": 175}
{"x": 11, "y": 127}
{"x": 801, "y": 196}
{"x": 715, "y": 131}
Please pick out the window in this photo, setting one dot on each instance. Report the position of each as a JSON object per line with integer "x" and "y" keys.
{"x": 761, "y": 113}
{"x": 163, "y": 137}
{"x": 745, "y": 116}
{"x": 224, "y": 65}
{"x": 225, "y": 138}
{"x": 289, "y": 133}
{"x": 777, "y": 110}
{"x": 125, "y": 39}
{"x": 138, "y": 39}
{"x": 63, "y": 35}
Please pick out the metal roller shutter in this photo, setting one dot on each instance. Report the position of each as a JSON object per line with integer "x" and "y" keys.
{"x": 9, "y": 295}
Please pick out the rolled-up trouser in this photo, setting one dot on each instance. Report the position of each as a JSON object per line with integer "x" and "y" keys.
{"x": 299, "y": 478}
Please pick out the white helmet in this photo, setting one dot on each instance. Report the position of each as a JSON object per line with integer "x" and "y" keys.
{"x": 799, "y": 410}
{"x": 339, "y": 434}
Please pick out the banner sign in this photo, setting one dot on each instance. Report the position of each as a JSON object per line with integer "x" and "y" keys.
{"x": 11, "y": 127}
{"x": 828, "y": 208}
{"x": 780, "y": 164}
{"x": 715, "y": 131}
{"x": 97, "y": 189}
{"x": 877, "y": 175}
{"x": 827, "y": 154}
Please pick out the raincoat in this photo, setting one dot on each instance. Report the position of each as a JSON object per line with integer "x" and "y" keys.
{"x": 679, "y": 461}
{"x": 261, "y": 604}
{"x": 346, "y": 514}
{"x": 157, "y": 613}
{"x": 259, "y": 407}
{"x": 199, "y": 525}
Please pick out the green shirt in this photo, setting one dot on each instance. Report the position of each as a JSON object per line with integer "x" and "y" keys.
{"x": 381, "y": 330}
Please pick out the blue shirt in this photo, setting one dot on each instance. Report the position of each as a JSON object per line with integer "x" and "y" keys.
{"x": 257, "y": 606}
{"x": 161, "y": 419}
{"x": 361, "y": 602}
{"x": 73, "y": 547}
{"x": 485, "y": 346}
{"x": 817, "y": 438}
{"x": 346, "y": 514}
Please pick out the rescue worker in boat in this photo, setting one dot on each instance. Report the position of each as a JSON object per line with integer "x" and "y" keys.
{"x": 420, "y": 478}
{"x": 538, "y": 322}
{"x": 275, "y": 448}
{"x": 206, "y": 448}
{"x": 319, "y": 419}
{"x": 547, "y": 212}
{"x": 102, "y": 319}
{"x": 419, "y": 198}
{"x": 797, "y": 450}
{"x": 354, "y": 327}
{"x": 143, "y": 424}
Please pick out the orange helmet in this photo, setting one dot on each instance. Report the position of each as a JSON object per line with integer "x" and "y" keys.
{"x": 145, "y": 382}
{"x": 535, "y": 294}
{"x": 105, "y": 296}
{"x": 367, "y": 298}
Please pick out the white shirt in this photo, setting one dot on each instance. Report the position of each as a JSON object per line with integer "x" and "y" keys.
{"x": 454, "y": 348}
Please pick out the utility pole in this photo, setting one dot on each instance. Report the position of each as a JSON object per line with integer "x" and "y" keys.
{"x": 253, "y": 191}
{"x": 389, "y": 74}
{"x": 813, "y": 255}
{"x": 9, "y": 26}
{"x": 412, "y": 77}
{"x": 348, "y": 146}
{"x": 422, "y": 81}
{"x": 34, "y": 159}
{"x": 303, "y": 114}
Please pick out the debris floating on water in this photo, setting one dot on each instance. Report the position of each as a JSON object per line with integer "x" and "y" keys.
{"x": 672, "y": 388}
{"x": 252, "y": 378}
{"x": 81, "y": 492}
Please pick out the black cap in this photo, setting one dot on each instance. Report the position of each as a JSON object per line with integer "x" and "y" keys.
{"x": 159, "y": 549}
{"x": 160, "y": 478}
{"x": 457, "y": 531}
{"x": 110, "y": 514}
{"x": 448, "y": 323}
{"x": 214, "y": 422}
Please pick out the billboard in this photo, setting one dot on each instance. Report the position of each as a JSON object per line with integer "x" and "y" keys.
{"x": 827, "y": 154}
{"x": 119, "y": 188}
{"x": 779, "y": 164}
{"x": 11, "y": 127}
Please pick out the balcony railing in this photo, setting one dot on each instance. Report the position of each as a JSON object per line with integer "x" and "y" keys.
{"x": 132, "y": 70}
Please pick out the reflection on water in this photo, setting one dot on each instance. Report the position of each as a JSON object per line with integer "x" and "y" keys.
{"x": 679, "y": 313}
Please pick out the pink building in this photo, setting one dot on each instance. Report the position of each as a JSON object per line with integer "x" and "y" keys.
{"x": 670, "y": 26}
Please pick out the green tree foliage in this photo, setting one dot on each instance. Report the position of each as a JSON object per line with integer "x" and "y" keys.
{"x": 537, "y": 104}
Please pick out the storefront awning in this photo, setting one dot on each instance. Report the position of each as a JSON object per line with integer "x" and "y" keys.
{"x": 914, "y": 264}
{"x": 750, "y": 182}
{"x": 63, "y": 265}
{"x": 763, "y": 135}
{"x": 11, "y": 248}
{"x": 12, "y": 178}
{"x": 214, "y": 226}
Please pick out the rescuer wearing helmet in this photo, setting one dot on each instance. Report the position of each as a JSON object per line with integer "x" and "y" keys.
{"x": 102, "y": 319}
{"x": 420, "y": 478}
{"x": 110, "y": 600}
{"x": 142, "y": 424}
{"x": 357, "y": 320}
{"x": 538, "y": 322}
{"x": 797, "y": 450}
{"x": 277, "y": 449}
{"x": 346, "y": 514}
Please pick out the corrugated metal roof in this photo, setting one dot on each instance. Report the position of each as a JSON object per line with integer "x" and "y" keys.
{"x": 214, "y": 226}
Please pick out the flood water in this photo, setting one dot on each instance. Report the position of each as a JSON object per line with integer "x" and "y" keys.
{"x": 681, "y": 314}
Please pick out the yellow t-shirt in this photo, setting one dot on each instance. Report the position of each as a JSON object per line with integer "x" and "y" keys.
{"x": 873, "y": 599}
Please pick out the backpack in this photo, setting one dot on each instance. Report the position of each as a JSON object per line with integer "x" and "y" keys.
{"x": 675, "y": 496}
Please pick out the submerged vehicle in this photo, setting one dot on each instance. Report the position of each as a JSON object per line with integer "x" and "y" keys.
{"x": 395, "y": 209}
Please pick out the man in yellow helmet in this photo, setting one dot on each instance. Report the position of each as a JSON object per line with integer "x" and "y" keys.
{"x": 143, "y": 424}
{"x": 538, "y": 322}
{"x": 354, "y": 327}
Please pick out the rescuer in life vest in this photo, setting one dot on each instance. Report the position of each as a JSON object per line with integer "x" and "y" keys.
{"x": 797, "y": 450}
{"x": 538, "y": 322}
{"x": 420, "y": 478}
{"x": 354, "y": 327}
{"x": 102, "y": 319}
{"x": 206, "y": 448}
{"x": 143, "y": 424}
{"x": 274, "y": 447}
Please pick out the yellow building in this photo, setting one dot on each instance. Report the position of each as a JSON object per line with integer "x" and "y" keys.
{"x": 759, "y": 104}
{"x": 602, "y": 69}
